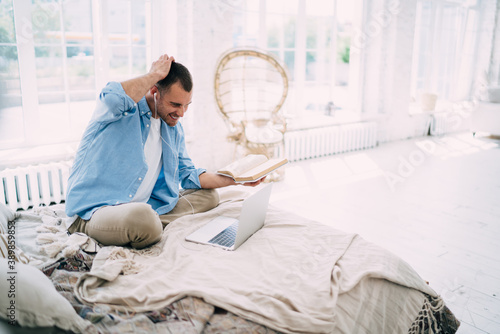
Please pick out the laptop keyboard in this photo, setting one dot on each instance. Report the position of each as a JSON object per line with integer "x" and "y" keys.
{"x": 227, "y": 237}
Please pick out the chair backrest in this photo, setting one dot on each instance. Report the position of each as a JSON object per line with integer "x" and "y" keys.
{"x": 250, "y": 86}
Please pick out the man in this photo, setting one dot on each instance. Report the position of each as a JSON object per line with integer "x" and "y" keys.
{"x": 124, "y": 184}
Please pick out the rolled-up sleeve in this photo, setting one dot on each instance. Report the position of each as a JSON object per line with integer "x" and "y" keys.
{"x": 113, "y": 104}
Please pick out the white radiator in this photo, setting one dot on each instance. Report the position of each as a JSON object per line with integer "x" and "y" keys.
{"x": 31, "y": 186}
{"x": 449, "y": 122}
{"x": 318, "y": 142}
{"x": 440, "y": 124}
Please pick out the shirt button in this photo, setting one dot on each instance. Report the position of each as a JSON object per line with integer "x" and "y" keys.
{"x": 140, "y": 179}
{"x": 147, "y": 125}
{"x": 130, "y": 196}
{"x": 125, "y": 113}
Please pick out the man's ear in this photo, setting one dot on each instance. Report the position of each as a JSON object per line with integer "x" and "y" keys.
{"x": 155, "y": 92}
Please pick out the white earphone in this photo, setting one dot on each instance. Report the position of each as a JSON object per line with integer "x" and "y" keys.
{"x": 154, "y": 97}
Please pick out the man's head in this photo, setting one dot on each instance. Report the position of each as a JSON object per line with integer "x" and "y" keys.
{"x": 173, "y": 94}
{"x": 178, "y": 73}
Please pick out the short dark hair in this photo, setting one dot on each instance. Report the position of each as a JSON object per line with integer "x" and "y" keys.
{"x": 177, "y": 73}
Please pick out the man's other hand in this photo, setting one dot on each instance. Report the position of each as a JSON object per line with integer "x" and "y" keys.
{"x": 254, "y": 183}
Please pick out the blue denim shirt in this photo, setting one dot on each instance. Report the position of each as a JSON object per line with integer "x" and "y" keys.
{"x": 110, "y": 164}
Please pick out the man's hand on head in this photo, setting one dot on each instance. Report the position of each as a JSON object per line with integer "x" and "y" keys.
{"x": 161, "y": 67}
{"x": 137, "y": 87}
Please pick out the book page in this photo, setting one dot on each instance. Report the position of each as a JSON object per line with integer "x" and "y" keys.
{"x": 263, "y": 169}
{"x": 243, "y": 165}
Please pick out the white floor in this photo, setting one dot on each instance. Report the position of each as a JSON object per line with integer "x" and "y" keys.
{"x": 434, "y": 201}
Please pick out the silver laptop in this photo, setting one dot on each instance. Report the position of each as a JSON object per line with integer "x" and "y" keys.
{"x": 229, "y": 233}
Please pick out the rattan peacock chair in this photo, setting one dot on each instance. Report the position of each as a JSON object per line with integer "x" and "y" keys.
{"x": 250, "y": 89}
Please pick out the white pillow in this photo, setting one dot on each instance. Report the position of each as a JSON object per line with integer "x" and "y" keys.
{"x": 30, "y": 299}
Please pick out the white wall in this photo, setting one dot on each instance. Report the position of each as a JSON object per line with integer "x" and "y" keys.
{"x": 205, "y": 128}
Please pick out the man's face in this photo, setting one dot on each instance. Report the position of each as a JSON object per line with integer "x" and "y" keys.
{"x": 171, "y": 105}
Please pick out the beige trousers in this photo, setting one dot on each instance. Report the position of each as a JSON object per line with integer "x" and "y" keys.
{"x": 137, "y": 224}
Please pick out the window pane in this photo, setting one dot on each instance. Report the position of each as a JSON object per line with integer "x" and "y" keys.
{"x": 9, "y": 74}
{"x": 81, "y": 68}
{"x": 319, "y": 33}
{"x": 311, "y": 66}
{"x": 246, "y": 23}
{"x": 45, "y": 17}
{"x": 290, "y": 64}
{"x": 289, "y": 31}
{"x": 7, "y": 32}
{"x": 138, "y": 22}
{"x": 274, "y": 31}
{"x": 139, "y": 61}
{"x": 126, "y": 22}
{"x": 311, "y": 39}
{"x": 11, "y": 116}
{"x": 118, "y": 19}
{"x": 49, "y": 71}
{"x": 345, "y": 14}
{"x": 119, "y": 63}
{"x": 77, "y": 18}
{"x": 281, "y": 31}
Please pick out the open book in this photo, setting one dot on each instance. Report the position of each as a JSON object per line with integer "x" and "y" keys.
{"x": 251, "y": 168}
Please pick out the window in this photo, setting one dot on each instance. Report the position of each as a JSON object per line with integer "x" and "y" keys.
{"x": 127, "y": 42}
{"x": 312, "y": 38}
{"x": 65, "y": 75}
{"x": 445, "y": 47}
{"x": 56, "y": 55}
{"x": 10, "y": 87}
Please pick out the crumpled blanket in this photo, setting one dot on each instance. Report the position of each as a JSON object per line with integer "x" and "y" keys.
{"x": 53, "y": 237}
{"x": 289, "y": 276}
{"x": 193, "y": 315}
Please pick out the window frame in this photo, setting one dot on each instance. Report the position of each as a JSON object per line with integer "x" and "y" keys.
{"x": 300, "y": 81}
{"x": 24, "y": 32}
{"x": 432, "y": 83}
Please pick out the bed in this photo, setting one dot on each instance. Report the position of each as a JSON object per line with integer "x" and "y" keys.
{"x": 294, "y": 275}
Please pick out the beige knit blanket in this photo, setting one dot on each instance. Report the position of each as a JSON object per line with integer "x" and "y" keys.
{"x": 290, "y": 276}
